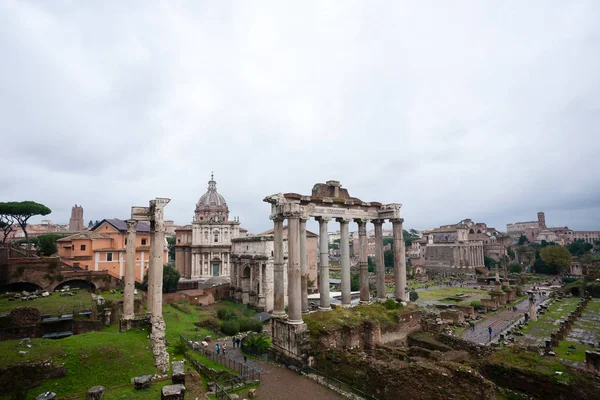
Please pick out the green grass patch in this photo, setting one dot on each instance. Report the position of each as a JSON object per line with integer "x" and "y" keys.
{"x": 352, "y": 317}
{"x": 106, "y": 358}
{"x": 577, "y": 355}
{"x": 532, "y": 362}
{"x": 549, "y": 320}
{"x": 51, "y": 304}
{"x": 451, "y": 295}
{"x": 129, "y": 392}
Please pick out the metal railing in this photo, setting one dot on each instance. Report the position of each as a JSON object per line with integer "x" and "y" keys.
{"x": 336, "y": 384}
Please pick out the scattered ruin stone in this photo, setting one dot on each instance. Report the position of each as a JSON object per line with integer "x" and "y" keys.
{"x": 46, "y": 396}
{"x": 95, "y": 393}
{"x": 173, "y": 392}
{"x": 252, "y": 393}
{"x": 234, "y": 397}
{"x": 178, "y": 372}
{"x": 142, "y": 381}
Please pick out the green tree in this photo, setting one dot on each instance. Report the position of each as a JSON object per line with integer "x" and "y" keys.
{"x": 6, "y": 225}
{"x": 388, "y": 257}
{"x": 489, "y": 262}
{"x": 510, "y": 252}
{"x": 354, "y": 283}
{"x": 557, "y": 257}
{"x": 387, "y": 241}
{"x": 578, "y": 248}
{"x": 21, "y": 211}
{"x": 171, "y": 240}
{"x": 170, "y": 279}
{"x": 522, "y": 240}
{"x": 515, "y": 268}
{"x": 256, "y": 343}
{"x": 90, "y": 224}
{"x": 413, "y": 295}
{"x": 371, "y": 261}
{"x": 47, "y": 243}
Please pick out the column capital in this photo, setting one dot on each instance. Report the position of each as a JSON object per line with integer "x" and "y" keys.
{"x": 361, "y": 221}
{"x": 323, "y": 219}
{"x": 343, "y": 220}
{"x": 378, "y": 221}
{"x": 396, "y": 220}
{"x": 277, "y": 218}
{"x": 304, "y": 218}
{"x": 131, "y": 225}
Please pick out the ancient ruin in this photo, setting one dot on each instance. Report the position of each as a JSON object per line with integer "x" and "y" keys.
{"x": 155, "y": 215}
{"x": 328, "y": 201}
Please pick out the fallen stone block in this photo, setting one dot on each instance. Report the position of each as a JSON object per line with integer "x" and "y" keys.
{"x": 252, "y": 393}
{"x": 94, "y": 393}
{"x": 46, "y": 396}
{"x": 142, "y": 382}
{"x": 173, "y": 392}
{"x": 178, "y": 372}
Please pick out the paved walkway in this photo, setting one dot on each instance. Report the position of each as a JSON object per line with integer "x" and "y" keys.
{"x": 279, "y": 383}
{"x": 498, "y": 322}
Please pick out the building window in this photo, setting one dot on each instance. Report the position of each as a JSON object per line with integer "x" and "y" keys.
{"x": 82, "y": 247}
{"x": 125, "y": 241}
{"x": 108, "y": 256}
{"x": 143, "y": 242}
{"x": 216, "y": 237}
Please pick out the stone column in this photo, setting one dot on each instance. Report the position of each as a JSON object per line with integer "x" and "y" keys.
{"x": 399, "y": 259}
{"x": 303, "y": 265}
{"x": 379, "y": 260}
{"x": 324, "y": 261}
{"x": 157, "y": 248}
{"x": 363, "y": 262}
{"x": 294, "y": 277}
{"x": 278, "y": 269}
{"x": 345, "y": 262}
{"x": 128, "y": 309}
{"x": 150, "y": 273}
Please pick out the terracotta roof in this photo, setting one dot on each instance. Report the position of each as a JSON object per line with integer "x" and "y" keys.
{"x": 120, "y": 225}
{"x": 85, "y": 235}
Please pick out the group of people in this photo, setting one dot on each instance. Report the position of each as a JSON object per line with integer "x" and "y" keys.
{"x": 221, "y": 349}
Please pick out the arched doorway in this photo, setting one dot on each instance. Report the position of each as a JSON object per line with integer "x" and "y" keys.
{"x": 20, "y": 286}
{"x": 81, "y": 284}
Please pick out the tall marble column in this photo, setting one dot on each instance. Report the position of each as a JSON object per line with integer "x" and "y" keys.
{"x": 157, "y": 248}
{"x": 150, "y": 274}
{"x": 324, "y": 261}
{"x": 294, "y": 277}
{"x": 363, "y": 261}
{"x": 128, "y": 304}
{"x": 278, "y": 270}
{"x": 345, "y": 262}
{"x": 399, "y": 260}
{"x": 303, "y": 266}
{"x": 379, "y": 260}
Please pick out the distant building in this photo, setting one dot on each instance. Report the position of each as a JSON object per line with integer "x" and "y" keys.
{"x": 537, "y": 231}
{"x": 76, "y": 220}
{"x": 103, "y": 248}
{"x": 203, "y": 249}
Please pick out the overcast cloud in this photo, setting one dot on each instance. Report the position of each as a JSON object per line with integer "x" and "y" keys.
{"x": 487, "y": 110}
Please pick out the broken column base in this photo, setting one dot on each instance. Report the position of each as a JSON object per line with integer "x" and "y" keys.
{"x": 157, "y": 339}
{"x": 95, "y": 393}
{"x": 178, "y": 375}
{"x": 290, "y": 343}
{"x": 126, "y": 324}
{"x": 173, "y": 392}
{"x": 46, "y": 396}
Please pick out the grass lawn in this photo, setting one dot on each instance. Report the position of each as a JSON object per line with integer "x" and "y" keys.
{"x": 106, "y": 358}
{"x": 51, "y": 304}
{"x": 129, "y": 392}
{"x": 550, "y": 319}
{"x": 577, "y": 355}
{"x": 339, "y": 317}
{"x": 442, "y": 295}
{"x": 533, "y": 362}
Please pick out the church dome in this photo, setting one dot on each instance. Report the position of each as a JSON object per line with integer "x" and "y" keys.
{"x": 211, "y": 197}
{"x": 211, "y": 207}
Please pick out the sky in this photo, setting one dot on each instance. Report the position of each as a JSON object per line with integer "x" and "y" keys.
{"x": 464, "y": 109}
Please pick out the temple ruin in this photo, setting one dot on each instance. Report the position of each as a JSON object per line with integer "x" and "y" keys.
{"x": 328, "y": 201}
{"x": 155, "y": 215}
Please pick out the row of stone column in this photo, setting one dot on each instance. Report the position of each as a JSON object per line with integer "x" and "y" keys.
{"x": 155, "y": 265}
{"x": 298, "y": 267}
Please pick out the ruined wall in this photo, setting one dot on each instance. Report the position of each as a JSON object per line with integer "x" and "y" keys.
{"x": 368, "y": 334}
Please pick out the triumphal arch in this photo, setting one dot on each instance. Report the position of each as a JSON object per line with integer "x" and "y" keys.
{"x": 328, "y": 201}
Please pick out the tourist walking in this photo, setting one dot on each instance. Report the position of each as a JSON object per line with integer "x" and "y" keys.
{"x": 233, "y": 342}
{"x": 245, "y": 359}
{"x": 490, "y": 332}
{"x": 218, "y": 349}
{"x": 472, "y": 325}
{"x": 237, "y": 342}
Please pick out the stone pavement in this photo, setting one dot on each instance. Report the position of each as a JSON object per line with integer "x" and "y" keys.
{"x": 499, "y": 323}
{"x": 587, "y": 328}
{"x": 279, "y": 383}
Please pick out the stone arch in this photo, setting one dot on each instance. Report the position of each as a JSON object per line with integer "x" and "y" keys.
{"x": 471, "y": 230}
{"x": 20, "y": 286}
{"x": 77, "y": 283}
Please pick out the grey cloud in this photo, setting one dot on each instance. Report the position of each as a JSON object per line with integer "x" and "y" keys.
{"x": 479, "y": 110}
